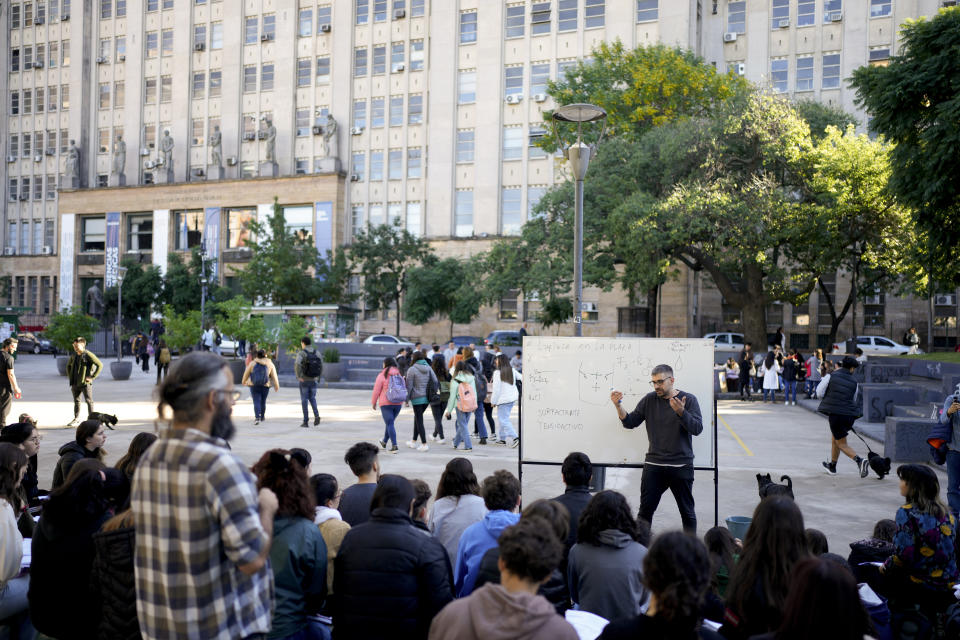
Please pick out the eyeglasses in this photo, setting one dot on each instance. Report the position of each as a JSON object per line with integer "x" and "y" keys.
{"x": 34, "y": 439}
{"x": 659, "y": 383}
{"x": 234, "y": 395}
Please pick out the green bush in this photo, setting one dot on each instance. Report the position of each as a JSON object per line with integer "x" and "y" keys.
{"x": 331, "y": 355}
{"x": 66, "y": 325}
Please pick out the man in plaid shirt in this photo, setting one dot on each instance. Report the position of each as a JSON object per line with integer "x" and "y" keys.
{"x": 203, "y": 532}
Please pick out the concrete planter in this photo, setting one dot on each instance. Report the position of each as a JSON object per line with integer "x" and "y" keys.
{"x": 236, "y": 367}
{"x": 332, "y": 371}
{"x": 120, "y": 369}
{"x": 62, "y": 365}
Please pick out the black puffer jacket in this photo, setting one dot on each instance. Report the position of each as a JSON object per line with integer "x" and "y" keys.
{"x": 113, "y": 585}
{"x": 839, "y": 396}
{"x": 389, "y": 580}
{"x": 70, "y": 454}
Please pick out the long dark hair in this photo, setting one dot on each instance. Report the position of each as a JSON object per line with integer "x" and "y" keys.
{"x": 823, "y": 602}
{"x": 458, "y": 479}
{"x": 86, "y": 430}
{"x": 677, "y": 570}
{"x": 775, "y": 542}
{"x": 439, "y": 366}
{"x": 388, "y": 362}
{"x": 12, "y": 460}
{"x": 721, "y": 546}
{"x": 128, "y": 463}
{"x": 502, "y": 363}
{"x": 923, "y": 489}
{"x": 607, "y": 510}
{"x": 769, "y": 360}
{"x": 81, "y": 501}
{"x": 279, "y": 471}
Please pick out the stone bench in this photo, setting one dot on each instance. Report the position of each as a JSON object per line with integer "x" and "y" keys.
{"x": 905, "y": 439}
{"x": 879, "y": 399}
{"x": 874, "y": 372}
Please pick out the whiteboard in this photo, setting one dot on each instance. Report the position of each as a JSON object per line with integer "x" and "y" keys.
{"x": 566, "y": 395}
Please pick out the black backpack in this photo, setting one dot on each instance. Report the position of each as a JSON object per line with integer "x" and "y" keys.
{"x": 312, "y": 365}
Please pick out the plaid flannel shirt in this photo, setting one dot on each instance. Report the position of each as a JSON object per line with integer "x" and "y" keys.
{"x": 197, "y": 521}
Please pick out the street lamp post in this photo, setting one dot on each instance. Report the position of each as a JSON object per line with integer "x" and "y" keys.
{"x": 203, "y": 287}
{"x": 578, "y": 154}
{"x": 120, "y": 272}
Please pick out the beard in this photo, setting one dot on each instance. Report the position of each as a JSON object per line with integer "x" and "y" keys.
{"x": 221, "y": 426}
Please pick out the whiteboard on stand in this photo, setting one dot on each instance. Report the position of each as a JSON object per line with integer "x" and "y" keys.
{"x": 566, "y": 395}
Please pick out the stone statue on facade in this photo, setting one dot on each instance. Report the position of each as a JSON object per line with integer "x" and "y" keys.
{"x": 166, "y": 150}
{"x": 119, "y": 155}
{"x": 94, "y": 300}
{"x": 271, "y": 137}
{"x": 72, "y": 167}
{"x": 330, "y": 146}
{"x": 216, "y": 157}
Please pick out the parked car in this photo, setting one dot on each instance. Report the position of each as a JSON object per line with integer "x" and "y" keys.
{"x": 726, "y": 341}
{"x": 228, "y": 346}
{"x": 875, "y": 346}
{"x": 466, "y": 341}
{"x": 504, "y": 338}
{"x": 34, "y": 343}
{"x": 386, "y": 339}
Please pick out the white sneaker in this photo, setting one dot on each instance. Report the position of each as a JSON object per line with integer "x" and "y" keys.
{"x": 794, "y": 403}
{"x": 433, "y": 438}
{"x": 786, "y": 402}
{"x": 411, "y": 444}
{"x": 423, "y": 447}
{"x": 441, "y": 441}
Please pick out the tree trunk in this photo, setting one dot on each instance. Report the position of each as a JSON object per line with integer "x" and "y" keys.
{"x": 755, "y": 325}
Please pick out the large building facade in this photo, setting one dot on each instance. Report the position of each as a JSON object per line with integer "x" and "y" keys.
{"x": 422, "y": 110}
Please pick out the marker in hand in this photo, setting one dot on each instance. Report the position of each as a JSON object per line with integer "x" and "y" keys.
{"x": 615, "y": 396}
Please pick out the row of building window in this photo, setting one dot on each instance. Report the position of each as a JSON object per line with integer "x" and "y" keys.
{"x": 27, "y": 101}
{"x": 378, "y": 113}
{"x": 381, "y": 9}
{"x": 373, "y": 60}
{"x": 51, "y": 10}
{"x": 394, "y": 164}
{"x": 33, "y": 144}
{"x": 805, "y": 71}
{"x": 50, "y": 55}
{"x": 38, "y": 193}
{"x": 806, "y": 13}
{"x": 409, "y": 216}
{"x": 31, "y": 237}
{"x": 305, "y": 20}
{"x": 36, "y": 292}
{"x": 539, "y": 77}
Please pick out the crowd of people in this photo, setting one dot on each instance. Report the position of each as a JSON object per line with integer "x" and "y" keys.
{"x": 777, "y": 370}
{"x": 180, "y": 539}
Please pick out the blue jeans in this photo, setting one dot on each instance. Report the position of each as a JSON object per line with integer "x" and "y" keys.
{"x": 14, "y": 608}
{"x": 503, "y": 417}
{"x": 772, "y": 392}
{"x": 308, "y": 393}
{"x": 463, "y": 430}
{"x": 790, "y": 386}
{"x": 389, "y": 413}
{"x": 259, "y": 396}
{"x": 481, "y": 425}
{"x": 953, "y": 481}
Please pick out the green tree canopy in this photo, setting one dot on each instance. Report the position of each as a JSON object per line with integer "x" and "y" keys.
{"x": 915, "y": 103}
{"x": 183, "y": 330}
{"x": 383, "y": 256}
{"x": 142, "y": 288}
{"x": 67, "y": 324}
{"x": 819, "y": 116}
{"x": 181, "y": 283}
{"x": 442, "y": 287}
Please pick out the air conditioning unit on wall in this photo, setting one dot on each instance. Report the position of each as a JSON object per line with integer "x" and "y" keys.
{"x": 945, "y": 300}
{"x": 730, "y": 37}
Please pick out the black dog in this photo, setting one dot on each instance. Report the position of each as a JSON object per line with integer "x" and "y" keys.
{"x": 880, "y": 465}
{"x": 767, "y": 487}
{"x": 108, "y": 420}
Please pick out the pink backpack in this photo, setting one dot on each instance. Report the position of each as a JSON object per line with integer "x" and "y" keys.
{"x": 466, "y": 398}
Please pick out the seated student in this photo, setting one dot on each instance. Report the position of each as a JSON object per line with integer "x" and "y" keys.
{"x": 923, "y": 567}
{"x": 298, "y": 554}
{"x": 25, "y": 436}
{"x": 822, "y": 603}
{"x": 88, "y": 443}
{"x": 724, "y": 551}
{"x": 423, "y": 495}
{"x": 328, "y": 519}
{"x": 61, "y": 603}
{"x": 554, "y": 588}
{"x": 876, "y": 548}
{"x": 355, "y": 500}
{"x": 511, "y": 608}
{"x": 501, "y": 495}
{"x": 389, "y": 579}
{"x": 816, "y": 542}
{"x": 605, "y": 567}
{"x": 676, "y": 571}
{"x": 13, "y": 587}
{"x": 758, "y": 587}
{"x": 575, "y": 473}
{"x": 128, "y": 463}
{"x": 112, "y": 583}
{"x": 458, "y": 505}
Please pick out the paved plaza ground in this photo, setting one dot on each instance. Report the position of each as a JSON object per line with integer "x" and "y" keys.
{"x": 752, "y": 438}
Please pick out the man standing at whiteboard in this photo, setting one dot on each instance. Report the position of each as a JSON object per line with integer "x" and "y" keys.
{"x": 673, "y": 417}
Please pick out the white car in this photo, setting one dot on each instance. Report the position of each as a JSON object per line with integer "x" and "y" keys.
{"x": 228, "y": 346}
{"x": 875, "y": 346}
{"x": 726, "y": 341}
{"x": 386, "y": 339}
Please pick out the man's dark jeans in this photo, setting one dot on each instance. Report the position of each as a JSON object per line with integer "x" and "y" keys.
{"x": 308, "y": 393}
{"x": 6, "y": 403}
{"x": 657, "y": 479}
{"x": 87, "y": 391}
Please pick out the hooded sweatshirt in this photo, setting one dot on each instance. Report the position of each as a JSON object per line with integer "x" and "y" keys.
{"x": 474, "y": 542}
{"x": 607, "y": 579}
{"x": 298, "y": 556}
{"x": 455, "y": 389}
{"x": 70, "y": 454}
{"x": 417, "y": 377}
{"x": 493, "y": 613}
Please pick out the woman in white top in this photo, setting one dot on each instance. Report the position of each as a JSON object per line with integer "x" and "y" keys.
{"x": 505, "y": 395}
{"x": 770, "y": 372}
{"x": 13, "y": 589}
{"x": 458, "y": 505}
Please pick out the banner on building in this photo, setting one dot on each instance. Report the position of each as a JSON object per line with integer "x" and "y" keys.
{"x": 211, "y": 238}
{"x": 111, "y": 254}
{"x": 67, "y": 222}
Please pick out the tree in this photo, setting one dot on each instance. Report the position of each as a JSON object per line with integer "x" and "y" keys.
{"x": 141, "y": 290}
{"x": 819, "y": 116}
{"x": 383, "y": 255}
{"x": 183, "y": 330}
{"x": 286, "y": 267}
{"x": 442, "y": 287}
{"x": 291, "y": 332}
{"x": 915, "y": 103}
{"x": 64, "y": 326}
{"x": 181, "y": 284}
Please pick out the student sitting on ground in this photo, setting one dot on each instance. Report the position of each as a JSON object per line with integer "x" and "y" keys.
{"x": 355, "y": 500}
{"x": 529, "y": 552}
{"x": 458, "y": 505}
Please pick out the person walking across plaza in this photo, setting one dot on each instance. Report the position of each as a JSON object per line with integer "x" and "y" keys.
{"x": 83, "y": 367}
{"x": 9, "y": 389}
{"x": 140, "y": 350}
{"x": 386, "y": 396}
{"x": 672, "y": 418}
{"x": 161, "y": 359}
{"x": 912, "y": 339}
{"x": 439, "y": 401}
{"x": 260, "y": 375}
{"x": 747, "y": 370}
{"x": 504, "y": 396}
{"x": 419, "y": 379}
{"x": 945, "y": 440}
{"x": 839, "y": 393}
{"x": 203, "y": 531}
{"x": 308, "y": 368}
